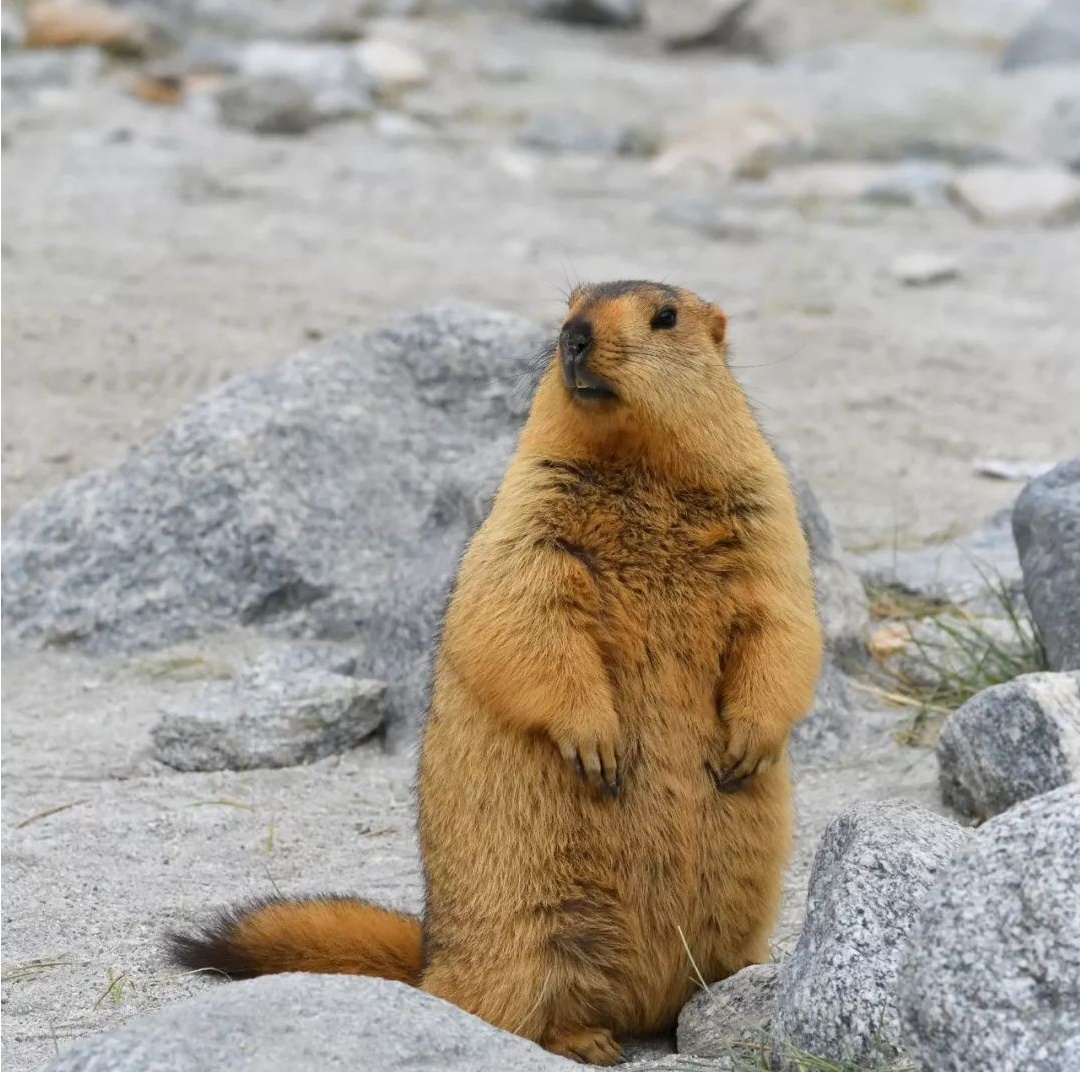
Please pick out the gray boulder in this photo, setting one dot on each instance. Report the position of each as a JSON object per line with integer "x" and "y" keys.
{"x": 290, "y": 707}
{"x": 1011, "y": 742}
{"x": 308, "y": 1023}
{"x": 1053, "y": 36}
{"x": 842, "y": 603}
{"x": 836, "y": 992}
{"x": 615, "y": 14}
{"x": 327, "y": 497}
{"x": 1046, "y": 524}
{"x": 731, "y": 1020}
{"x": 830, "y": 725}
{"x": 990, "y": 972}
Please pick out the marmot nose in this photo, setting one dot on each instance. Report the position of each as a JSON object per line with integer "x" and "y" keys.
{"x": 577, "y": 337}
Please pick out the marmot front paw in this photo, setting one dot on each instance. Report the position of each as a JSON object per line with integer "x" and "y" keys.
{"x": 594, "y": 749}
{"x": 749, "y": 748}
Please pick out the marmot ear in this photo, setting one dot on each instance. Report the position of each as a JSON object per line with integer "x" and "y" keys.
{"x": 719, "y": 324}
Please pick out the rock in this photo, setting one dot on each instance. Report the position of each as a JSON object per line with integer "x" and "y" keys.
{"x": 842, "y": 603}
{"x": 12, "y": 27}
{"x": 741, "y": 137}
{"x": 911, "y": 182}
{"x": 281, "y": 712}
{"x": 1010, "y": 468}
{"x": 308, "y": 1023}
{"x": 1061, "y": 135}
{"x": 709, "y": 220}
{"x": 731, "y": 1019}
{"x": 1053, "y": 36}
{"x": 1046, "y": 524}
{"x": 71, "y": 23}
{"x": 391, "y": 68}
{"x": 1006, "y": 194}
{"x": 720, "y": 24}
{"x": 924, "y": 269}
{"x": 266, "y": 104}
{"x": 204, "y": 54}
{"x": 50, "y": 68}
{"x": 990, "y": 972}
{"x": 836, "y": 992}
{"x": 614, "y": 14}
{"x": 1011, "y": 742}
{"x": 294, "y": 500}
{"x": 830, "y": 725}
{"x": 330, "y": 74}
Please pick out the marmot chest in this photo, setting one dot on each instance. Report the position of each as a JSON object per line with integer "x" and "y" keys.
{"x": 662, "y": 563}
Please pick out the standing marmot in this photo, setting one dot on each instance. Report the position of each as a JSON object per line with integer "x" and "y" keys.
{"x": 603, "y": 779}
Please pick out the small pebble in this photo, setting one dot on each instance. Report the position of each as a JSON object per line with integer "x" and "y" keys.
{"x": 924, "y": 269}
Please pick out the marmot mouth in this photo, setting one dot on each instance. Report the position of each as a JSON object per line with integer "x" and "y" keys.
{"x": 586, "y": 385}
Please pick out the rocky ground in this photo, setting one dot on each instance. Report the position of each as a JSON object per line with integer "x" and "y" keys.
{"x": 881, "y": 196}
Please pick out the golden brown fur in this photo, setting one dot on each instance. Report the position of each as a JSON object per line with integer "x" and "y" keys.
{"x": 603, "y": 775}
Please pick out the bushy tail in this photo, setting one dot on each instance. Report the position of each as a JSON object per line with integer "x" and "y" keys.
{"x": 318, "y": 934}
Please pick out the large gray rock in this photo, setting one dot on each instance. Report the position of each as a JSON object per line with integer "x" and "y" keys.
{"x": 836, "y": 992}
{"x": 842, "y": 603}
{"x": 731, "y": 1020}
{"x": 830, "y": 725}
{"x": 290, "y": 707}
{"x": 1011, "y": 742}
{"x": 1053, "y": 36}
{"x": 1046, "y": 524}
{"x": 990, "y": 972}
{"x": 308, "y": 1023}
{"x": 326, "y": 497}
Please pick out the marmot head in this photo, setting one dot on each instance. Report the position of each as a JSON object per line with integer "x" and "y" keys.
{"x": 638, "y": 347}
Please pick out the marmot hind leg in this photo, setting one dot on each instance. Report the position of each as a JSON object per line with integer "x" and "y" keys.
{"x": 540, "y": 995}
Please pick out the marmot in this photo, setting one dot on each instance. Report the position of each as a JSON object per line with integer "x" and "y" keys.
{"x": 604, "y": 789}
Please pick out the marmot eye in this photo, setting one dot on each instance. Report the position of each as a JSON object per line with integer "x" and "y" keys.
{"x": 663, "y": 319}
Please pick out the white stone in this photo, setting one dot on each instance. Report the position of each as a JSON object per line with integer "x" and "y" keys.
{"x": 1004, "y": 194}
{"x": 390, "y": 66}
{"x": 923, "y": 269}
